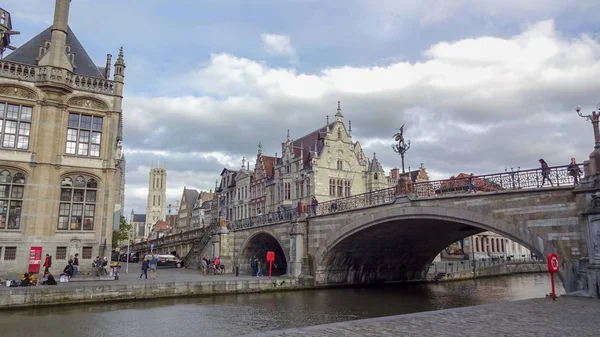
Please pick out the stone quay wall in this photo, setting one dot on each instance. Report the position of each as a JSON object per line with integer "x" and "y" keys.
{"x": 13, "y": 298}
{"x": 496, "y": 270}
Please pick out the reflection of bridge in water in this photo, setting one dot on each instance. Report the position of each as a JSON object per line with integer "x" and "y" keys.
{"x": 393, "y": 234}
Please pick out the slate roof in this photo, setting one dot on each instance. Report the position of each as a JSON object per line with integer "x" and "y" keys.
{"x": 308, "y": 143}
{"x": 206, "y": 205}
{"x": 375, "y": 166}
{"x": 139, "y": 218}
{"x": 190, "y": 196}
{"x": 29, "y": 51}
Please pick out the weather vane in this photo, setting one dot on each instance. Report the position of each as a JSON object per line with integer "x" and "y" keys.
{"x": 401, "y": 147}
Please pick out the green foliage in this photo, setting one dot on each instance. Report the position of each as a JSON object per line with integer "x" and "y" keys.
{"x": 121, "y": 235}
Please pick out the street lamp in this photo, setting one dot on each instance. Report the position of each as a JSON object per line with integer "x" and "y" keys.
{"x": 401, "y": 147}
{"x": 594, "y": 119}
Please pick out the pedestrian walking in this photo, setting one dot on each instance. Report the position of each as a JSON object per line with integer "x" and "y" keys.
{"x": 472, "y": 187}
{"x": 47, "y": 264}
{"x": 204, "y": 264}
{"x": 145, "y": 266}
{"x": 153, "y": 267}
{"x": 545, "y": 172}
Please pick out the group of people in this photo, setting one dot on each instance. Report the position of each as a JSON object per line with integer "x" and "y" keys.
{"x": 149, "y": 264}
{"x": 573, "y": 170}
{"x": 211, "y": 267}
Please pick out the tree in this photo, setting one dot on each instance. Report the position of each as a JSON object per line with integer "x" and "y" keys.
{"x": 121, "y": 234}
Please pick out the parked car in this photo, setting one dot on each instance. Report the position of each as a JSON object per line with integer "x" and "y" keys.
{"x": 133, "y": 257}
{"x": 167, "y": 260}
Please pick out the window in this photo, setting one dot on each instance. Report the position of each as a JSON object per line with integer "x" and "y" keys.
{"x": 347, "y": 185}
{"x": 153, "y": 200}
{"x": 12, "y": 186}
{"x": 15, "y": 125}
{"x": 84, "y": 135}
{"x": 477, "y": 244}
{"x": 340, "y": 188}
{"x": 332, "y": 187}
{"x": 10, "y": 253}
{"x": 159, "y": 200}
{"x": 375, "y": 176}
{"x": 287, "y": 194}
{"x": 77, "y": 203}
{"x": 298, "y": 190}
{"x": 340, "y": 165}
{"x": 86, "y": 253}
{"x": 61, "y": 253}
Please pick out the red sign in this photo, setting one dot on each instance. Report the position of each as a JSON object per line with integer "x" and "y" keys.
{"x": 553, "y": 262}
{"x": 270, "y": 256}
{"x": 35, "y": 259}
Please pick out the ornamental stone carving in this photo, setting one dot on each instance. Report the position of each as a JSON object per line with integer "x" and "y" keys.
{"x": 18, "y": 92}
{"x": 88, "y": 103}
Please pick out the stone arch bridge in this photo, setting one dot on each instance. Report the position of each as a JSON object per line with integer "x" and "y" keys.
{"x": 389, "y": 236}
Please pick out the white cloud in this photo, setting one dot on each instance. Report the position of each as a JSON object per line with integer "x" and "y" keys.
{"x": 280, "y": 45}
{"x": 474, "y": 105}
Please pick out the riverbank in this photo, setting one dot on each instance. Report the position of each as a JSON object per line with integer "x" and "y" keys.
{"x": 113, "y": 291}
{"x": 504, "y": 269}
{"x": 567, "y": 316}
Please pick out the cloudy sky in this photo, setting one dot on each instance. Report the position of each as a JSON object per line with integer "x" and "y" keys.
{"x": 480, "y": 84}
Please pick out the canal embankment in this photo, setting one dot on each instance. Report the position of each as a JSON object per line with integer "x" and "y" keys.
{"x": 464, "y": 270}
{"x": 566, "y": 316}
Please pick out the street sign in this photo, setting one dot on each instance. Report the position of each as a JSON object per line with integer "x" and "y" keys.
{"x": 553, "y": 267}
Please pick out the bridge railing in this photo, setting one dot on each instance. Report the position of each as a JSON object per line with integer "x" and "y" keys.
{"x": 170, "y": 239}
{"x": 513, "y": 180}
{"x": 263, "y": 219}
{"x": 369, "y": 199}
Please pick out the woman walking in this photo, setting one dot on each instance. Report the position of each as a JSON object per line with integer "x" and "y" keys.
{"x": 545, "y": 173}
{"x": 145, "y": 266}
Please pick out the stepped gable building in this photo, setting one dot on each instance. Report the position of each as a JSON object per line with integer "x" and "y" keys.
{"x": 60, "y": 150}
{"x": 202, "y": 207}
{"x": 264, "y": 172}
{"x": 184, "y": 212}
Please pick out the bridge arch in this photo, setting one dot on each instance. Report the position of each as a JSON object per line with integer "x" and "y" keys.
{"x": 257, "y": 245}
{"x": 405, "y": 242}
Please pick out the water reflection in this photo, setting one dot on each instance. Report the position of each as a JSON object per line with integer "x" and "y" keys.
{"x": 242, "y": 314}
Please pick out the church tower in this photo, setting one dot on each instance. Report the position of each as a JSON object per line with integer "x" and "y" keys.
{"x": 156, "y": 208}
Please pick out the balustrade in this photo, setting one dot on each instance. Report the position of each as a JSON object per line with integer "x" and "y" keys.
{"x": 30, "y": 73}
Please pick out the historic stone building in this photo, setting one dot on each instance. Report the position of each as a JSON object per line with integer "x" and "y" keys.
{"x": 242, "y": 202}
{"x": 156, "y": 207}
{"x": 263, "y": 175}
{"x": 225, "y": 191}
{"x": 138, "y": 226}
{"x": 60, "y": 148}
{"x": 184, "y": 211}
{"x": 202, "y": 207}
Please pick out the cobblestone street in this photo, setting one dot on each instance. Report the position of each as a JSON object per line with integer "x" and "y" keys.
{"x": 567, "y": 316}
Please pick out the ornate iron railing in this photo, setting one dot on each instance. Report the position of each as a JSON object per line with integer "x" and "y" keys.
{"x": 513, "y": 180}
{"x": 369, "y": 199}
{"x": 264, "y": 219}
{"x": 171, "y": 239}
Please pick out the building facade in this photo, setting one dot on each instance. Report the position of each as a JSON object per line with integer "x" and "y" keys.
{"x": 138, "y": 226}
{"x": 184, "y": 211}
{"x": 59, "y": 152}
{"x": 156, "y": 206}
{"x": 263, "y": 174}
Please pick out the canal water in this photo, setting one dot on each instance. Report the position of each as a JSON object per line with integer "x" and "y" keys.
{"x": 234, "y": 315}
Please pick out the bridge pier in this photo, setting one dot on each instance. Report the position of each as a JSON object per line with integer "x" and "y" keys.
{"x": 223, "y": 247}
{"x": 593, "y": 234}
{"x": 298, "y": 264}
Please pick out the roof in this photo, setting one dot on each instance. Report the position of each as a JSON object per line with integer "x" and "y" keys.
{"x": 139, "y": 218}
{"x": 375, "y": 166}
{"x": 206, "y": 205}
{"x": 268, "y": 165}
{"x": 29, "y": 51}
{"x": 461, "y": 182}
{"x": 190, "y": 197}
{"x": 307, "y": 143}
{"x": 160, "y": 226}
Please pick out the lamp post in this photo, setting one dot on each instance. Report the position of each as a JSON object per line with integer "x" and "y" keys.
{"x": 128, "y": 241}
{"x": 401, "y": 147}
{"x": 594, "y": 163}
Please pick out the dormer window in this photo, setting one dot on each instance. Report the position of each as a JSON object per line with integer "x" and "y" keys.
{"x": 340, "y": 165}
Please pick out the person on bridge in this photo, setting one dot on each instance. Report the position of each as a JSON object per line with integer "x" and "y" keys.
{"x": 545, "y": 173}
{"x": 472, "y": 187}
{"x": 313, "y": 205}
{"x": 574, "y": 171}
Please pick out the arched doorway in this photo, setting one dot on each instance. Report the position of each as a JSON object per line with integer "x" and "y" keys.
{"x": 257, "y": 246}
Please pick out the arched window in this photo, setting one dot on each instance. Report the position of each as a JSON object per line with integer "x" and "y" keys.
{"x": 375, "y": 176}
{"x": 12, "y": 186}
{"x": 77, "y": 203}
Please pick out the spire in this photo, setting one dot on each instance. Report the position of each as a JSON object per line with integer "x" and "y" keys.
{"x": 107, "y": 67}
{"x": 327, "y": 125}
{"x": 57, "y": 55}
{"x": 288, "y": 135}
{"x": 350, "y": 128}
{"x": 374, "y": 155}
{"x": 120, "y": 67}
{"x": 338, "y": 116}
{"x": 243, "y": 162}
{"x": 259, "y": 147}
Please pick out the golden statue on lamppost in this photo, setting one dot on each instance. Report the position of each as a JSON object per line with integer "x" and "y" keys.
{"x": 401, "y": 147}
